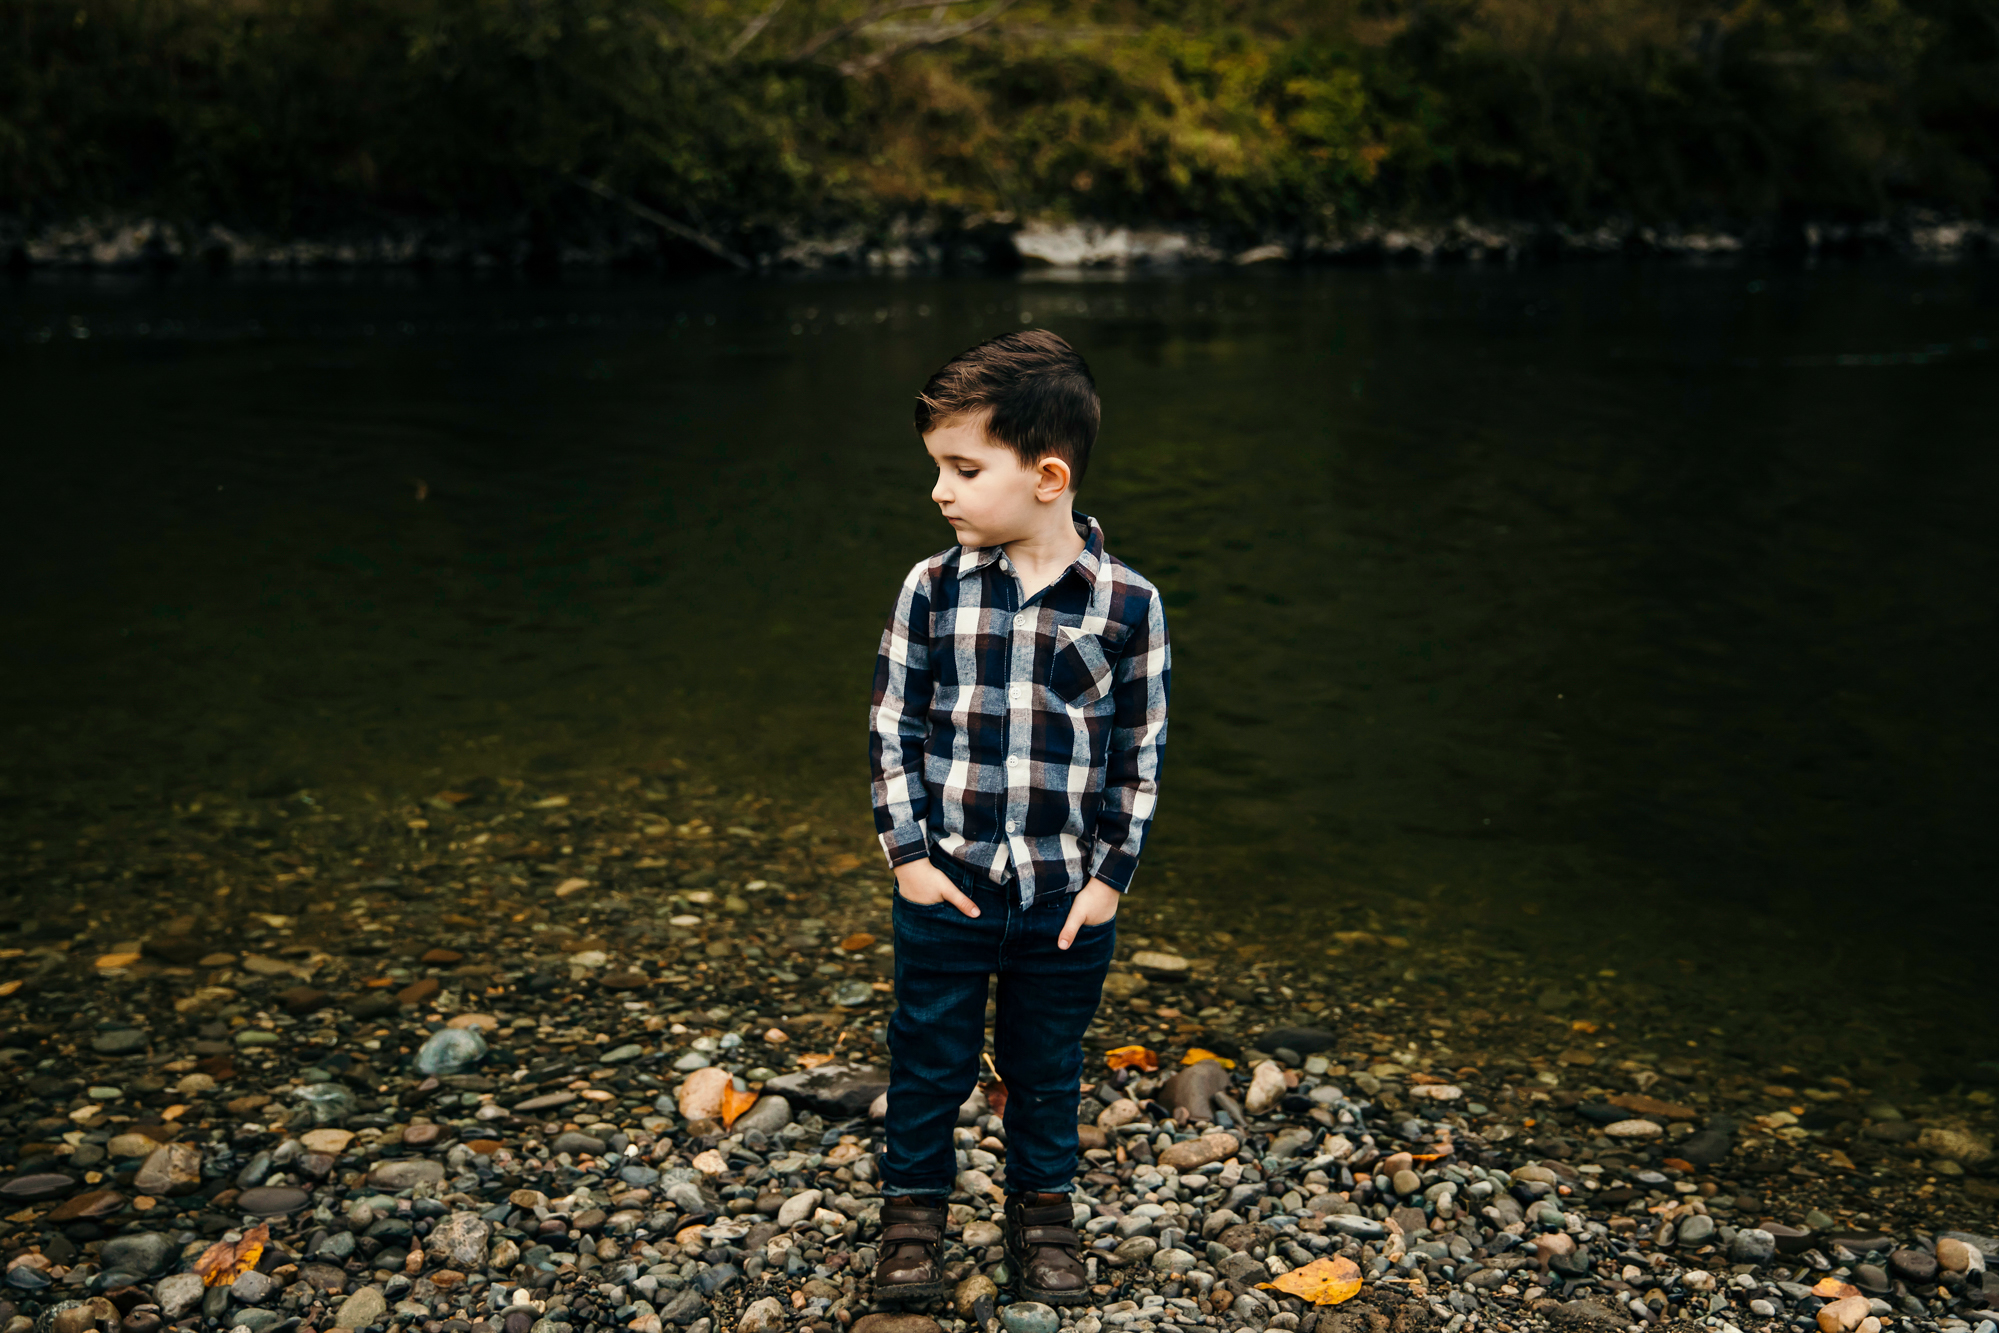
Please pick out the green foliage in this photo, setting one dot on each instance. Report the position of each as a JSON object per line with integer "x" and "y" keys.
{"x": 1256, "y": 115}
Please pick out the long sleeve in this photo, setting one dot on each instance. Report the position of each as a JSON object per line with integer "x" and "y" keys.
{"x": 898, "y": 723}
{"x": 1137, "y": 743}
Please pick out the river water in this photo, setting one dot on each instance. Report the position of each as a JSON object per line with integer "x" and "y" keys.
{"x": 1615, "y": 621}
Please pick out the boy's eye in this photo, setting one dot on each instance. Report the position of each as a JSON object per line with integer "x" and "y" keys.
{"x": 968, "y": 475}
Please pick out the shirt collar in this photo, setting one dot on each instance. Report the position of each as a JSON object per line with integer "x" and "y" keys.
{"x": 1090, "y": 563}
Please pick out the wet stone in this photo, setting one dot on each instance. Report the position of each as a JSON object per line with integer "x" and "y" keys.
{"x": 895, "y": 1323}
{"x": 1030, "y": 1317}
{"x": 174, "y": 1169}
{"x": 272, "y": 1200}
{"x": 121, "y": 1041}
{"x": 450, "y": 1051}
{"x": 143, "y": 1253}
{"x": 34, "y": 1188}
{"x": 90, "y": 1207}
{"x": 405, "y": 1174}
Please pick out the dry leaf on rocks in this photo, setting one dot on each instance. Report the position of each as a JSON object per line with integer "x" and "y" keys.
{"x": 1322, "y": 1282}
{"x": 1195, "y": 1055}
{"x": 223, "y": 1262}
{"x": 856, "y": 942}
{"x": 1131, "y": 1057}
{"x": 735, "y": 1103}
{"x": 1832, "y": 1289}
{"x": 995, "y": 1091}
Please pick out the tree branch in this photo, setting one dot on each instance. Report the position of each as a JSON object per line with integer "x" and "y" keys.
{"x": 751, "y": 29}
{"x": 662, "y": 221}
{"x": 934, "y": 36}
{"x": 874, "y": 13}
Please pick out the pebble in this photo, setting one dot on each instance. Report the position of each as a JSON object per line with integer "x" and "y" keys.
{"x": 1266, "y": 1088}
{"x": 173, "y": 1169}
{"x": 121, "y": 1041}
{"x": 272, "y": 1200}
{"x": 574, "y": 1176}
{"x": 1635, "y": 1129}
{"x": 451, "y": 1051}
{"x": 701, "y": 1095}
{"x": 1955, "y": 1256}
{"x": 1030, "y": 1317}
{"x": 366, "y": 1306}
{"x": 1197, "y": 1153}
{"x": 402, "y": 1175}
{"x": 1752, "y": 1245}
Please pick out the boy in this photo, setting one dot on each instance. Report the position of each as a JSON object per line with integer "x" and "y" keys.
{"x": 1019, "y": 715}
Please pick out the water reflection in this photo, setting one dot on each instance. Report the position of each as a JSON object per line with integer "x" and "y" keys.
{"x": 1629, "y": 620}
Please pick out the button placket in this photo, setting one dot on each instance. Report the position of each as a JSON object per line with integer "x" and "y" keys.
{"x": 1019, "y": 731}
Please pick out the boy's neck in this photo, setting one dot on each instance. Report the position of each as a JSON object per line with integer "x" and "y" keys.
{"x": 1042, "y": 555}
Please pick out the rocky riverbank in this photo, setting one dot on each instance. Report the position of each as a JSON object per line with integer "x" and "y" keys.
{"x": 999, "y": 242}
{"x": 521, "y": 1060}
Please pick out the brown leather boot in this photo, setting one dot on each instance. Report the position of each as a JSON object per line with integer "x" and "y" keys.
{"x": 911, "y": 1267}
{"x": 1042, "y": 1245}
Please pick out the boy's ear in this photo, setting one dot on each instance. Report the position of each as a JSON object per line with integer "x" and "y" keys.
{"x": 1052, "y": 478}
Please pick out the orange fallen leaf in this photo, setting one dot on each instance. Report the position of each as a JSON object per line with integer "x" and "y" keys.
{"x": 1131, "y": 1057}
{"x": 1582, "y": 1025}
{"x": 222, "y": 1263}
{"x": 9, "y": 987}
{"x": 1195, "y": 1055}
{"x": 813, "y": 1059}
{"x": 1429, "y": 1156}
{"x": 1322, "y": 1282}
{"x": 1680, "y": 1164}
{"x": 1832, "y": 1289}
{"x": 735, "y": 1103}
{"x": 996, "y": 1094}
{"x": 108, "y": 960}
{"x": 856, "y": 942}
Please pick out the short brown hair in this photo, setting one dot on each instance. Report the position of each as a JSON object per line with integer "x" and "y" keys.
{"x": 1039, "y": 389}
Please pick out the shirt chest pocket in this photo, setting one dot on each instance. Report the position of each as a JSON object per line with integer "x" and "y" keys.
{"x": 1080, "y": 673}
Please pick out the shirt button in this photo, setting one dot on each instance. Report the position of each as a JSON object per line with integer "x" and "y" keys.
{"x": 1009, "y": 826}
{"x": 1013, "y": 761}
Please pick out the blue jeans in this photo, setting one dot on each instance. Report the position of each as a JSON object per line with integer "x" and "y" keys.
{"x": 1046, "y": 999}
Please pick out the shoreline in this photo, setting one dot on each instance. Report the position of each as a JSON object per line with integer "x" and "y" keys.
{"x": 995, "y": 244}
{"x": 470, "y": 1060}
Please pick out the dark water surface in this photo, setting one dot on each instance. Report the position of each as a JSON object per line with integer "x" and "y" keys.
{"x": 1615, "y": 619}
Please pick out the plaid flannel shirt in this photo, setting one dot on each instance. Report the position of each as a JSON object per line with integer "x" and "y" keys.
{"x": 1021, "y": 735}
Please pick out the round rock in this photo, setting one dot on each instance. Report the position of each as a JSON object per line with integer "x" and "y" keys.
{"x": 272, "y": 1200}
{"x": 1635, "y": 1129}
{"x": 451, "y": 1051}
{"x": 1030, "y": 1317}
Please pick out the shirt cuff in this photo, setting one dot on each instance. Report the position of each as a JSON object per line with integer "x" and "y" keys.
{"x": 1114, "y": 867}
{"x": 905, "y": 843}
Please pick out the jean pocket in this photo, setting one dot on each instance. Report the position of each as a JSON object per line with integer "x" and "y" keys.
{"x": 1080, "y": 673}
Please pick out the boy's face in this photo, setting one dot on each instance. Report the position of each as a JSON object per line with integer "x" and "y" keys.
{"x": 987, "y": 495}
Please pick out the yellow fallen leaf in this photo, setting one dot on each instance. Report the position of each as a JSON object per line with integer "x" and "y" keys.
{"x": 222, "y": 1263}
{"x": 9, "y": 987}
{"x": 1832, "y": 1289}
{"x": 1131, "y": 1057}
{"x": 1195, "y": 1055}
{"x": 174, "y": 1112}
{"x": 1322, "y": 1282}
{"x": 117, "y": 959}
